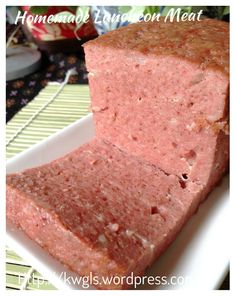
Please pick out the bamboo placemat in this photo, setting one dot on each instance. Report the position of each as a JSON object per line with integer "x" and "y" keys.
{"x": 71, "y": 104}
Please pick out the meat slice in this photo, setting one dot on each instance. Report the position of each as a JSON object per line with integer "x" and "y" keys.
{"x": 160, "y": 91}
{"x": 100, "y": 210}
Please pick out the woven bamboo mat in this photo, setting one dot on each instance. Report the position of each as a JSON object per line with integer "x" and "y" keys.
{"x": 71, "y": 104}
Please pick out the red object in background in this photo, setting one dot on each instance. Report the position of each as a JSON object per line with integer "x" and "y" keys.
{"x": 59, "y": 31}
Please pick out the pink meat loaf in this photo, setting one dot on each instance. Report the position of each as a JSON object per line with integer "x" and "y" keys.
{"x": 160, "y": 91}
{"x": 160, "y": 101}
{"x": 100, "y": 210}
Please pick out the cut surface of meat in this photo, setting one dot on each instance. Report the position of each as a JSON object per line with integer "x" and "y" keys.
{"x": 114, "y": 213}
{"x": 163, "y": 95}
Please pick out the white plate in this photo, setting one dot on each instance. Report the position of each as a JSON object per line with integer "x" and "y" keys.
{"x": 199, "y": 256}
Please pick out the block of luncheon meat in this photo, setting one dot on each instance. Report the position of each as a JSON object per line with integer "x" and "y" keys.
{"x": 160, "y": 101}
{"x": 160, "y": 91}
{"x": 100, "y": 210}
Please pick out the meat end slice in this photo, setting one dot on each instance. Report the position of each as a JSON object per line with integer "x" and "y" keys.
{"x": 100, "y": 210}
{"x": 160, "y": 91}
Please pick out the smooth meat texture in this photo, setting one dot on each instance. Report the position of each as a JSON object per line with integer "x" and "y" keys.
{"x": 160, "y": 91}
{"x": 100, "y": 210}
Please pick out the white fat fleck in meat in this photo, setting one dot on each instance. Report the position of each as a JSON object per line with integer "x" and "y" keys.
{"x": 213, "y": 117}
{"x": 89, "y": 151}
{"x": 65, "y": 189}
{"x": 91, "y": 74}
{"x": 129, "y": 232}
{"x": 146, "y": 243}
{"x": 99, "y": 109}
{"x": 39, "y": 241}
{"x": 102, "y": 239}
{"x": 113, "y": 226}
{"x": 61, "y": 207}
{"x": 100, "y": 217}
{"x": 96, "y": 109}
{"x": 191, "y": 126}
{"x": 217, "y": 165}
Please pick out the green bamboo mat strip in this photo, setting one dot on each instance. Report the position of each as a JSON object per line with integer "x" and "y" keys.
{"x": 16, "y": 271}
{"x": 72, "y": 103}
